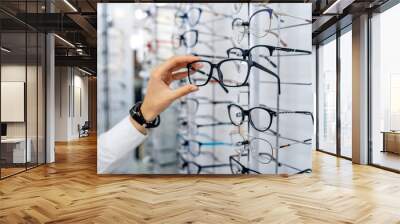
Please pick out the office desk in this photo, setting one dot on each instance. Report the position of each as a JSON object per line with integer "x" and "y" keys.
{"x": 13, "y": 150}
{"x": 391, "y": 142}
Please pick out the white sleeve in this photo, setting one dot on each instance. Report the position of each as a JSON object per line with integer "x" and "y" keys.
{"x": 115, "y": 146}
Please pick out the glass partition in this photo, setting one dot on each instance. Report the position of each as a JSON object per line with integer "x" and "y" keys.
{"x": 32, "y": 95}
{"x": 22, "y": 88}
{"x": 327, "y": 97}
{"x": 14, "y": 153}
{"x": 346, "y": 94}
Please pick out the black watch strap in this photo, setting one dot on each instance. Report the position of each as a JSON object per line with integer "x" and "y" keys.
{"x": 137, "y": 115}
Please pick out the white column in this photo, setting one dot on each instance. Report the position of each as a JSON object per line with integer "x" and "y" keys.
{"x": 50, "y": 99}
{"x": 360, "y": 90}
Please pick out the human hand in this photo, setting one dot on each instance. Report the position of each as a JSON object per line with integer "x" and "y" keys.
{"x": 159, "y": 95}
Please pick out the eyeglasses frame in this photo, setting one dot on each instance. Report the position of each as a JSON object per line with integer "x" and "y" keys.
{"x": 250, "y": 64}
{"x": 248, "y": 112}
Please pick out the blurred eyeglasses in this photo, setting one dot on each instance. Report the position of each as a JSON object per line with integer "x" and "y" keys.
{"x": 192, "y": 167}
{"x": 237, "y": 7}
{"x": 192, "y": 104}
{"x": 195, "y": 147}
{"x": 192, "y": 16}
{"x": 240, "y": 27}
{"x": 260, "y": 149}
{"x": 190, "y": 38}
{"x": 213, "y": 124}
{"x": 238, "y": 168}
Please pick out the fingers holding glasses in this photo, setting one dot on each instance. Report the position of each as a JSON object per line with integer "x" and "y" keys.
{"x": 179, "y": 74}
{"x": 177, "y": 62}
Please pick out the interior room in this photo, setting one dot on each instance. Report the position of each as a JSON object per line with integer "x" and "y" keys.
{"x": 284, "y": 112}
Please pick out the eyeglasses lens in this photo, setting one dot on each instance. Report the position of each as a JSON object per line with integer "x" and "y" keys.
{"x": 194, "y": 148}
{"x": 261, "y": 150}
{"x": 179, "y": 18}
{"x": 235, "y": 114}
{"x": 192, "y": 168}
{"x": 199, "y": 73}
{"x": 261, "y": 55}
{"x": 190, "y": 38}
{"x": 260, "y": 24}
{"x": 192, "y": 106}
{"x": 236, "y": 168}
{"x": 234, "y": 72}
{"x": 260, "y": 118}
{"x": 239, "y": 31}
{"x": 237, "y": 7}
{"x": 193, "y": 16}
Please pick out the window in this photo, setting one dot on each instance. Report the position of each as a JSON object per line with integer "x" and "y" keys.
{"x": 327, "y": 97}
{"x": 385, "y": 89}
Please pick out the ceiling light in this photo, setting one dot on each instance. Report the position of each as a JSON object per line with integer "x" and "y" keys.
{"x": 65, "y": 41}
{"x": 5, "y": 50}
{"x": 84, "y": 71}
{"x": 70, "y": 5}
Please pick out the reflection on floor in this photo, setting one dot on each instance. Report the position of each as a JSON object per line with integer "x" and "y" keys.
{"x": 387, "y": 159}
{"x": 70, "y": 191}
{"x": 11, "y": 169}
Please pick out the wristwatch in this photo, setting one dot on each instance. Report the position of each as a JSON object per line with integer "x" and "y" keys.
{"x": 136, "y": 114}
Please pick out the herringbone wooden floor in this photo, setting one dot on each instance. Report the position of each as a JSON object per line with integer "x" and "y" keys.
{"x": 70, "y": 191}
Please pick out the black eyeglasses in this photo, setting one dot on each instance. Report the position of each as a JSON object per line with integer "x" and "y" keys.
{"x": 218, "y": 123}
{"x": 231, "y": 72}
{"x": 238, "y": 168}
{"x": 192, "y": 167}
{"x": 190, "y": 39}
{"x": 260, "y": 118}
{"x": 195, "y": 147}
{"x": 192, "y": 104}
{"x": 257, "y": 52}
{"x": 260, "y": 149}
{"x": 192, "y": 16}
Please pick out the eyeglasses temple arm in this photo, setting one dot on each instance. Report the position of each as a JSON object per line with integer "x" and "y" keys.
{"x": 269, "y": 60}
{"x": 210, "y": 56}
{"x": 292, "y": 50}
{"x": 271, "y": 73}
{"x": 220, "y": 84}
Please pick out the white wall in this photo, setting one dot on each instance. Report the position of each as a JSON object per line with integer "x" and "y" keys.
{"x": 71, "y": 87}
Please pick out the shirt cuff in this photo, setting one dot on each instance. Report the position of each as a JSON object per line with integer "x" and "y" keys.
{"x": 114, "y": 145}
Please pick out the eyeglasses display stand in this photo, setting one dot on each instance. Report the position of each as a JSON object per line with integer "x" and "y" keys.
{"x": 253, "y": 111}
{"x": 294, "y": 71}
